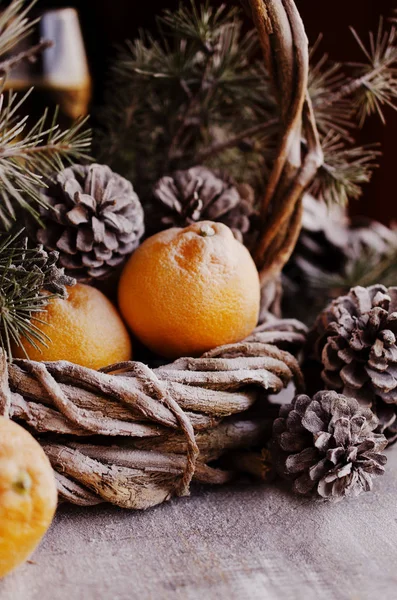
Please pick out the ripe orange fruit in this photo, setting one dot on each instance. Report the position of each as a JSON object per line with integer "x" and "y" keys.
{"x": 185, "y": 291}
{"x": 28, "y": 495}
{"x": 85, "y": 329}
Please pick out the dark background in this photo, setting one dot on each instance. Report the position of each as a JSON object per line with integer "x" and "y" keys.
{"x": 108, "y": 22}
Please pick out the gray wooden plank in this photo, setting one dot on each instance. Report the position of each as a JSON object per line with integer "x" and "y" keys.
{"x": 255, "y": 542}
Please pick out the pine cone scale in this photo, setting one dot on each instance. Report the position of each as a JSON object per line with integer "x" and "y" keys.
{"x": 77, "y": 215}
{"x": 296, "y": 463}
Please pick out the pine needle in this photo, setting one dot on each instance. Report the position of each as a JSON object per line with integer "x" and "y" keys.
{"x": 325, "y": 79}
{"x": 370, "y": 85}
{"x": 376, "y": 79}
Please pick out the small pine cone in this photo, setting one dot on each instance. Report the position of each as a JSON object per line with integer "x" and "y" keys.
{"x": 198, "y": 194}
{"x": 355, "y": 339}
{"x": 327, "y": 446}
{"x": 95, "y": 222}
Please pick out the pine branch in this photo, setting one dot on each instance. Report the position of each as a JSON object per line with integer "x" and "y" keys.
{"x": 345, "y": 169}
{"x": 325, "y": 78}
{"x": 375, "y": 82}
{"x": 29, "y": 279}
{"x": 357, "y": 89}
{"x": 15, "y": 24}
{"x": 27, "y": 156}
{"x": 195, "y": 93}
{"x": 194, "y": 89}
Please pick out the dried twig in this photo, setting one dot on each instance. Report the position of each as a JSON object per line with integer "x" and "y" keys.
{"x": 286, "y": 53}
{"x": 164, "y": 424}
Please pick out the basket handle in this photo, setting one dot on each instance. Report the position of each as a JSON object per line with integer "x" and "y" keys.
{"x": 285, "y": 47}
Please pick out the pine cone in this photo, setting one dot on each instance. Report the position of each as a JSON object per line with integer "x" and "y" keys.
{"x": 96, "y": 221}
{"x": 355, "y": 339}
{"x": 327, "y": 445}
{"x": 198, "y": 194}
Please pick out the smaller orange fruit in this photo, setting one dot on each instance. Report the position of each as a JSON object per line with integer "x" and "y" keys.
{"x": 185, "y": 291}
{"x": 28, "y": 495}
{"x": 84, "y": 329}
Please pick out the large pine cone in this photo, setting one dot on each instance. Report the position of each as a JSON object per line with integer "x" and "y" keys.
{"x": 95, "y": 220}
{"x": 327, "y": 445}
{"x": 355, "y": 340}
{"x": 198, "y": 194}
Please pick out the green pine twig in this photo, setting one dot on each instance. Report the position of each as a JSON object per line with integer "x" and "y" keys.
{"x": 29, "y": 154}
{"x": 195, "y": 90}
{"x": 15, "y": 24}
{"x": 343, "y": 91}
{"x": 345, "y": 170}
{"x": 29, "y": 280}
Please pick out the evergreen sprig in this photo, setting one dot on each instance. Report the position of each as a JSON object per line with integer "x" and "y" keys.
{"x": 15, "y": 24}
{"x": 374, "y": 85}
{"x": 326, "y": 76}
{"x": 196, "y": 89}
{"x": 345, "y": 170}
{"x": 29, "y": 279}
{"x": 344, "y": 95}
{"x": 197, "y": 92}
{"x": 28, "y": 153}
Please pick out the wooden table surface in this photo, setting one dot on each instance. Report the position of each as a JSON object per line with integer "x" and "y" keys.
{"x": 255, "y": 542}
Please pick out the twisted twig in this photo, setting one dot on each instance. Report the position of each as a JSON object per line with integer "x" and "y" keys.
{"x": 285, "y": 47}
{"x": 165, "y": 424}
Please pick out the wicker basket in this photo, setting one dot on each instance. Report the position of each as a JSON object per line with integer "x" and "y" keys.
{"x": 136, "y": 436}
